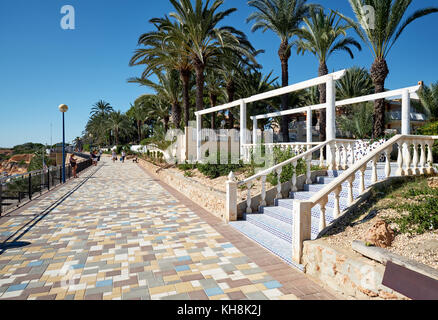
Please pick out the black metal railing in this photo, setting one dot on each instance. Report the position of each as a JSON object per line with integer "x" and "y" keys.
{"x": 22, "y": 188}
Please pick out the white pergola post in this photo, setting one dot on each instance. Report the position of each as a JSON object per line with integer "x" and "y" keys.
{"x": 198, "y": 137}
{"x": 406, "y": 113}
{"x": 330, "y": 115}
{"x": 309, "y": 127}
{"x": 243, "y": 127}
{"x": 254, "y": 131}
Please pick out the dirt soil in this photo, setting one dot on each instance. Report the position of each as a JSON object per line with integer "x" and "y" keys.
{"x": 421, "y": 248}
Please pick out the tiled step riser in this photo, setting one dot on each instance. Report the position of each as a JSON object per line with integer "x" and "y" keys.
{"x": 356, "y": 183}
{"x": 271, "y": 211}
{"x": 272, "y": 230}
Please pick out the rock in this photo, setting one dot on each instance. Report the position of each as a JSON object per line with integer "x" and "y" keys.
{"x": 380, "y": 234}
{"x": 433, "y": 182}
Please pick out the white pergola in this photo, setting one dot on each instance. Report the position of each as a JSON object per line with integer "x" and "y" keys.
{"x": 406, "y": 94}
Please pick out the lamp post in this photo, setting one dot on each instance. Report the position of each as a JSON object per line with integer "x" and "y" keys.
{"x": 63, "y": 108}
{"x": 91, "y": 142}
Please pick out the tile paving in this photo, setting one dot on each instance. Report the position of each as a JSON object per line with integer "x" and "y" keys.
{"x": 117, "y": 233}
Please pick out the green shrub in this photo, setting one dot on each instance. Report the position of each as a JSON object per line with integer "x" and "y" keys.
{"x": 431, "y": 129}
{"x": 288, "y": 170}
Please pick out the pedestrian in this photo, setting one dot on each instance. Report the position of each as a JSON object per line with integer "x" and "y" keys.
{"x": 123, "y": 156}
{"x": 99, "y": 154}
{"x": 93, "y": 157}
{"x": 74, "y": 165}
{"x": 114, "y": 156}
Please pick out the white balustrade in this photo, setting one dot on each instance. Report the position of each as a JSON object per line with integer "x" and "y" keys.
{"x": 337, "y": 209}
{"x": 294, "y": 177}
{"x": 279, "y": 195}
{"x": 248, "y": 200}
{"x": 322, "y": 209}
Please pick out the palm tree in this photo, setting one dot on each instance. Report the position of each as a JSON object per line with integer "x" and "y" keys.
{"x": 284, "y": 18}
{"x": 165, "y": 52}
{"x": 380, "y": 34}
{"x": 202, "y": 38}
{"x": 214, "y": 88}
{"x": 322, "y": 35}
{"x": 160, "y": 110}
{"x": 101, "y": 107}
{"x": 168, "y": 88}
{"x": 118, "y": 123}
{"x": 429, "y": 100}
{"x": 139, "y": 113}
{"x": 355, "y": 83}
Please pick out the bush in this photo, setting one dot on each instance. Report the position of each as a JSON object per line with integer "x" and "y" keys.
{"x": 288, "y": 170}
{"x": 431, "y": 129}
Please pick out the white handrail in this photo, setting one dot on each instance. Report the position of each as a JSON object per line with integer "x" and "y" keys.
{"x": 285, "y": 163}
{"x": 277, "y": 92}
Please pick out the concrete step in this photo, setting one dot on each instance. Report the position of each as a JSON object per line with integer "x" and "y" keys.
{"x": 274, "y": 226}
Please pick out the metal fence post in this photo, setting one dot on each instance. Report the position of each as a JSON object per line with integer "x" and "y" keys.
{"x": 1, "y": 198}
{"x": 30, "y": 186}
{"x": 60, "y": 175}
{"x": 48, "y": 179}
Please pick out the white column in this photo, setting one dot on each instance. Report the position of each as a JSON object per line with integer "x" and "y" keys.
{"x": 231, "y": 201}
{"x": 331, "y": 109}
{"x": 198, "y": 137}
{"x": 242, "y": 125}
{"x": 254, "y": 132}
{"x": 330, "y": 116}
{"x": 309, "y": 128}
{"x": 406, "y": 113}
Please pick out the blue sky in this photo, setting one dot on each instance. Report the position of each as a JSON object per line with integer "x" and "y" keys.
{"x": 43, "y": 65}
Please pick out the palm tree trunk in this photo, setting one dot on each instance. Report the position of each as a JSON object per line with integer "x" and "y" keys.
{"x": 284, "y": 54}
{"x": 139, "y": 130}
{"x": 199, "y": 67}
{"x": 176, "y": 114}
{"x": 166, "y": 123}
{"x": 185, "y": 78}
{"x": 322, "y": 71}
{"x": 231, "y": 91}
{"x": 379, "y": 72}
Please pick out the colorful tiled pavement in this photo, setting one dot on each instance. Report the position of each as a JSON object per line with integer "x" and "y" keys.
{"x": 116, "y": 233}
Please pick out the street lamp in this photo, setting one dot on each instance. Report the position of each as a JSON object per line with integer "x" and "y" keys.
{"x": 91, "y": 141}
{"x": 63, "y": 108}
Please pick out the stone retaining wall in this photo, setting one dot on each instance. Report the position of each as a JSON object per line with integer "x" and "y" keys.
{"x": 346, "y": 272}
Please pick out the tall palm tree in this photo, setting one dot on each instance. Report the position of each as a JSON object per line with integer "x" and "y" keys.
{"x": 163, "y": 52}
{"x": 322, "y": 35}
{"x": 101, "y": 107}
{"x": 355, "y": 83}
{"x": 139, "y": 113}
{"x": 168, "y": 88}
{"x": 118, "y": 123}
{"x": 284, "y": 18}
{"x": 380, "y": 34}
{"x": 214, "y": 88}
{"x": 429, "y": 100}
{"x": 202, "y": 38}
{"x": 160, "y": 110}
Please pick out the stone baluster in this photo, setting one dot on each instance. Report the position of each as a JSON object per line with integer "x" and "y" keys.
{"x": 309, "y": 170}
{"x": 344, "y": 157}
{"x": 387, "y": 163}
{"x": 294, "y": 177}
{"x": 407, "y": 158}
{"x": 322, "y": 209}
{"x": 231, "y": 201}
{"x": 429, "y": 157}
{"x": 400, "y": 171}
{"x": 248, "y": 199}
{"x": 279, "y": 196}
{"x": 423, "y": 158}
{"x": 332, "y": 161}
{"x": 350, "y": 181}
{"x": 415, "y": 159}
{"x": 337, "y": 157}
{"x": 337, "y": 210}
{"x": 321, "y": 157}
{"x": 263, "y": 194}
{"x": 374, "y": 170}
{"x": 353, "y": 155}
{"x": 362, "y": 179}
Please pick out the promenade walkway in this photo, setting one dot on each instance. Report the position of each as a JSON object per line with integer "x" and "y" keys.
{"x": 116, "y": 233}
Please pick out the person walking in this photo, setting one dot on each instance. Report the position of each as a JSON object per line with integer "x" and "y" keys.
{"x": 99, "y": 154}
{"x": 123, "y": 156}
{"x": 74, "y": 165}
{"x": 114, "y": 156}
